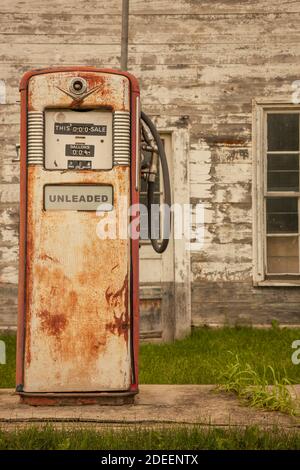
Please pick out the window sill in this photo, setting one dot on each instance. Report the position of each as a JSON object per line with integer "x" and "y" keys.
{"x": 278, "y": 283}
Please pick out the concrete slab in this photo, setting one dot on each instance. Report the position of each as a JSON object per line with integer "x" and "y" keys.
{"x": 156, "y": 405}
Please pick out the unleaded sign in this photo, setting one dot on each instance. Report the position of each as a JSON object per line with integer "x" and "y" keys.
{"x": 78, "y": 197}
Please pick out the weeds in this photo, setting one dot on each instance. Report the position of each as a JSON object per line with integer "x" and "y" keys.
{"x": 267, "y": 390}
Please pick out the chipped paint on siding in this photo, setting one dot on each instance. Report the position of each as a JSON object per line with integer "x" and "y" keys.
{"x": 206, "y": 60}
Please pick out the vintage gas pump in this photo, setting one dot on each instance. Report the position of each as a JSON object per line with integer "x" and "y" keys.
{"x": 81, "y": 135}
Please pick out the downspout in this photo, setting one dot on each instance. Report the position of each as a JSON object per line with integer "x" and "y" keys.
{"x": 124, "y": 38}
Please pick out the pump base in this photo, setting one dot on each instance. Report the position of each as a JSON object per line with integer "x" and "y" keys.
{"x": 76, "y": 399}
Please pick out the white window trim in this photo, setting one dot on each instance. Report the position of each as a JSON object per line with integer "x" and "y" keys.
{"x": 260, "y": 106}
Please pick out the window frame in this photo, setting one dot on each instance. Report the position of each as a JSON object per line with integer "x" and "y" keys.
{"x": 261, "y": 108}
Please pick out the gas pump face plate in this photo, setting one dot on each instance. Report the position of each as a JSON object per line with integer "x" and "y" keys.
{"x": 77, "y": 140}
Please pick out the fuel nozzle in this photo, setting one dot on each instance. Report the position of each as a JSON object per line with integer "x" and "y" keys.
{"x": 153, "y": 168}
{"x": 149, "y": 170}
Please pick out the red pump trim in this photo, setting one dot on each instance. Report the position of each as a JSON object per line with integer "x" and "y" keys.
{"x": 134, "y": 88}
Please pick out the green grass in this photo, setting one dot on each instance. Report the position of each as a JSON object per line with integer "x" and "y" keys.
{"x": 176, "y": 438}
{"x": 7, "y": 371}
{"x": 204, "y": 356}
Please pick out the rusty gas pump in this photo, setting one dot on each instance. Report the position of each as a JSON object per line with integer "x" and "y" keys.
{"x": 81, "y": 135}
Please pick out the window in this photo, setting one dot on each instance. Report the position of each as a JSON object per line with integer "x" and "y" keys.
{"x": 276, "y": 181}
{"x": 282, "y": 193}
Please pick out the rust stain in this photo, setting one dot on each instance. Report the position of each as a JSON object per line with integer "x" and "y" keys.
{"x": 29, "y": 255}
{"x": 104, "y": 92}
{"x": 62, "y": 303}
{"x": 46, "y": 257}
{"x": 94, "y": 80}
{"x": 64, "y": 399}
{"x": 119, "y": 301}
{"x": 93, "y": 343}
{"x": 30, "y": 100}
{"x": 73, "y": 298}
{"x": 28, "y": 344}
{"x": 60, "y": 300}
{"x": 107, "y": 96}
{"x": 53, "y": 324}
{"x": 226, "y": 141}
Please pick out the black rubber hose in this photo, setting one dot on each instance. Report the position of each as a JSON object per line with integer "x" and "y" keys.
{"x": 159, "y": 247}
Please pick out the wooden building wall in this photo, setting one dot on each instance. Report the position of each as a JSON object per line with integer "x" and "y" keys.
{"x": 198, "y": 58}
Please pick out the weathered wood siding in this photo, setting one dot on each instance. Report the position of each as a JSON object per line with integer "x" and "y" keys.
{"x": 201, "y": 59}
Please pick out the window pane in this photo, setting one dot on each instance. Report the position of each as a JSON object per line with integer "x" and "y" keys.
{"x": 282, "y": 204}
{"x": 283, "y": 131}
{"x": 282, "y": 215}
{"x": 287, "y": 181}
{"x": 283, "y": 162}
{"x": 282, "y": 255}
{"x": 283, "y": 172}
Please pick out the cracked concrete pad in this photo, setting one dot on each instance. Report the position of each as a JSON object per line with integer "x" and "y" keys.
{"x": 156, "y": 405}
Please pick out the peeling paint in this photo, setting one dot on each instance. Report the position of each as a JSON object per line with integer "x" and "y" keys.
{"x": 206, "y": 60}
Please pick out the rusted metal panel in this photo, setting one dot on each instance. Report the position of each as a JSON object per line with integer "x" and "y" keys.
{"x": 75, "y": 399}
{"x": 45, "y": 90}
{"x": 78, "y": 322}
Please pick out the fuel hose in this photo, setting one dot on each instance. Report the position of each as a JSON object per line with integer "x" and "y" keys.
{"x": 159, "y": 245}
